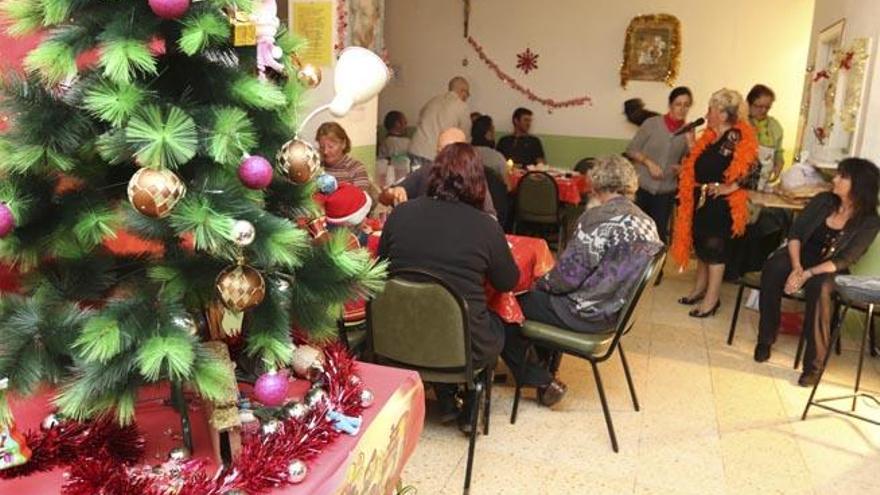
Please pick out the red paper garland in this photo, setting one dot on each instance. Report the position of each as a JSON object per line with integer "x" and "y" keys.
{"x": 547, "y": 102}
{"x": 100, "y": 455}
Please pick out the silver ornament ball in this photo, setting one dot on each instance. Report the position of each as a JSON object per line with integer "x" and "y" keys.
{"x": 314, "y": 397}
{"x": 296, "y": 471}
{"x": 49, "y": 422}
{"x": 282, "y": 285}
{"x": 178, "y": 454}
{"x": 186, "y": 322}
{"x": 243, "y": 233}
{"x": 354, "y": 380}
{"x": 271, "y": 427}
{"x": 296, "y": 411}
{"x": 367, "y": 397}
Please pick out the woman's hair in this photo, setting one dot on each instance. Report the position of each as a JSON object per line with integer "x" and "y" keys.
{"x": 457, "y": 175}
{"x": 479, "y": 130}
{"x": 865, "y": 179}
{"x": 730, "y": 102}
{"x": 614, "y": 174}
{"x": 680, "y": 91}
{"x": 759, "y": 91}
{"x": 334, "y": 130}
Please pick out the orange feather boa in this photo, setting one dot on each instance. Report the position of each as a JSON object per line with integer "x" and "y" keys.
{"x": 745, "y": 155}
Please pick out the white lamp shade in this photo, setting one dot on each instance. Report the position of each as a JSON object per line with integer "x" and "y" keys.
{"x": 359, "y": 76}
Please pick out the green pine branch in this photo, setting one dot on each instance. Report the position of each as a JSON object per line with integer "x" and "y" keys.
{"x": 231, "y": 135}
{"x": 112, "y": 102}
{"x": 202, "y": 29}
{"x": 162, "y": 139}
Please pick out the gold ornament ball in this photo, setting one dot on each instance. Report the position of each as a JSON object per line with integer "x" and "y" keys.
{"x": 299, "y": 161}
{"x": 304, "y": 357}
{"x": 309, "y": 76}
{"x": 154, "y": 192}
{"x": 241, "y": 287}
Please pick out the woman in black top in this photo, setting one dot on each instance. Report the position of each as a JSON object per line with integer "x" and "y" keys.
{"x": 829, "y": 236}
{"x": 446, "y": 232}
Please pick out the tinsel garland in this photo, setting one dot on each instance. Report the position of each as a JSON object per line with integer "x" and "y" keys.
{"x": 101, "y": 455}
{"x": 547, "y": 102}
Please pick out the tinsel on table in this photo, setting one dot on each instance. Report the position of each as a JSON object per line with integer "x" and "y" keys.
{"x": 101, "y": 456}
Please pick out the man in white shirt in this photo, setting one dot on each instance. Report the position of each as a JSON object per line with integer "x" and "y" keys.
{"x": 441, "y": 112}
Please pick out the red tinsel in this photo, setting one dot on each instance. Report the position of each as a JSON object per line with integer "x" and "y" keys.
{"x": 101, "y": 455}
{"x": 547, "y": 102}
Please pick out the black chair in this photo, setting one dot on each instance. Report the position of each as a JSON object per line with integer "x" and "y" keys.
{"x": 593, "y": 347}
{"x": 852, "y": 293}
{"x": 752, "y": 280}
{"x": 497, "y": 189}
{"x": 419, "y": 323}
{"x": 537, "y": 204}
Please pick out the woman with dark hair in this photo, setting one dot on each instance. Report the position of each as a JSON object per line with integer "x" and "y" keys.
{"x": 447, "y": 233}
{"x": 657, "y": 153}
{"x": 483, "y": 140}
{"x": 832, "y": 233}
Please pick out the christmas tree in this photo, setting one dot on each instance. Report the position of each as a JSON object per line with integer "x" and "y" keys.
{"x": 158, "y": 119}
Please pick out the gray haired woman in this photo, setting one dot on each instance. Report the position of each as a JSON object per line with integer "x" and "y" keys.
{"x": 585, "y": 291}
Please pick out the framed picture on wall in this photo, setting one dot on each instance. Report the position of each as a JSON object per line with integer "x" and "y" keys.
{"x": 652, "y": 49}
{"x": 366, "y": 21}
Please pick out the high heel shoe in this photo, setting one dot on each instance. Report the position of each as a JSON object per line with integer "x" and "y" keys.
{"x": 690, "y": 301}
{"x": 695, "y": 313}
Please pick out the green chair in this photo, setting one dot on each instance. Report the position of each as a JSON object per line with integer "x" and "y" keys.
{"x": 420, "y": 323}
{"x": 593, "y": 347}
{"x": 537, "y": 204}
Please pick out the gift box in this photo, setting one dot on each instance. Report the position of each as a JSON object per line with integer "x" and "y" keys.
{"x": 244, "y": 29}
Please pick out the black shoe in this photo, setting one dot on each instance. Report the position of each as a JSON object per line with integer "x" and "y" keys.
{"x": 695, "y": 313}
{"x": 809, "y": 378}
{"x": 762, "y": 352}
{"x": 464, "y": 416}
{"x": 448, "y": 403}
{"x": 551, "y": 394}
{"x": 690, "y": 301}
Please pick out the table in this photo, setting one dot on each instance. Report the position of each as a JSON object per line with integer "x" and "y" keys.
{"x": 372, "y": 460}
{"x": 774, "y": 200}
{"x": 534, "y": 259}
{"x": 570, "y": 187}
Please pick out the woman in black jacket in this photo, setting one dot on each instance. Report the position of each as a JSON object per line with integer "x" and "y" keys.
{"x": 830, "y": 235}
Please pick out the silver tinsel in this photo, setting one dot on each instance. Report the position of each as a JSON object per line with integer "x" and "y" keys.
{"x": 315, "y": 396}
{"x": 296, "y": 411}
{"x": 270, "y": 427}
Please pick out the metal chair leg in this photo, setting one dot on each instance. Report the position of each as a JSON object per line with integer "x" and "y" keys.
{"x": 872, "y": 340}
{"x": 517, "y": 393}
{"x": 478, "y": 396}
{"x": 605, "y": 410}
{"x": 489, "y": 379}
{"x": 835, "y": 335}
{"x": 870, "y": 316}
{"x": 629, "y": 380}
{"x": 739, "y": 298}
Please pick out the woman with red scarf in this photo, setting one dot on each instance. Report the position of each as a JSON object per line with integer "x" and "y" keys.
{"x": 713, "y": 207}
{"x": 657, "y": 153}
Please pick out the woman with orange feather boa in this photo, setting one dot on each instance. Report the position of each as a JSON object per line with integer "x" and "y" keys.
{"x": 713, "y": 207}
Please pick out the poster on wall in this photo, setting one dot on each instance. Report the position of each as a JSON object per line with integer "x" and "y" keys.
{"x": 366, "y": 21}
{"x": 313, "y": 21}
{"x": 652, "y": 49}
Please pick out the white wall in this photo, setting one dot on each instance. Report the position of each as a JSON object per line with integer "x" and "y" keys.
{"x": 580, "y": 43}
{"x": 360, "y": 123}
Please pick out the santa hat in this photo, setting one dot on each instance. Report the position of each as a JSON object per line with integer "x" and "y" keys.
{"x": 347, "y": 205}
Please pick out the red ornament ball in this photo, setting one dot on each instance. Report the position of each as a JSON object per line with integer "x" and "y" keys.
{"x": 169, "y": 9}
{"x": 271, "y": 389}
{"x": 255, "y": 172}
{"x": 7, "y": 220}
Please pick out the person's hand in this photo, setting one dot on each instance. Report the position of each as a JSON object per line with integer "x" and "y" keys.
{"x": 654, "y": 169}
{"x": 393, "y": 196}
{"x": 674, "y": 170}
{"x": 722, "y": 190}
{"x": 796, "y": 279}
{"x": 691, "y": 137}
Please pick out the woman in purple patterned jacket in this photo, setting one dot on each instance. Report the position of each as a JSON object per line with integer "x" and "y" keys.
{"x": 612, "y": 244}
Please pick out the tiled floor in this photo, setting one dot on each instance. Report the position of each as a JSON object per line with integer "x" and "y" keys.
{"x": 712, "y": 421}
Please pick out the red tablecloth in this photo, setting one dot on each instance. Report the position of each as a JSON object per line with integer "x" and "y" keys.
{"x": 570, "y": 188}
{"x": 534, "y": 259}
{"x": 372, "y": 460}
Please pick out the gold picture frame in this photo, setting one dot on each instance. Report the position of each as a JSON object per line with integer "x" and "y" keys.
{"x": 652, "y": 49}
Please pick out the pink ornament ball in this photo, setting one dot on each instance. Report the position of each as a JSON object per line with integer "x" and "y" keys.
{"x": 7, "y": 221}
{"x": 169, "y": 9}
{"x": 271, "y": 389}
{"x": 255, "y": 172}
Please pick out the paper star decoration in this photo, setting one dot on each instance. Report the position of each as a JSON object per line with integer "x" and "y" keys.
{"x": 527, "y": 61}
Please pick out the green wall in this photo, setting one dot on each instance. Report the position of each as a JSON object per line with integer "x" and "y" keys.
{"x": 365, "y": 155}
{"x": 566, "y": 151}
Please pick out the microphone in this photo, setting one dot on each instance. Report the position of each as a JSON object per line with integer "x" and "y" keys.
{"x": 689, "y": 127}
